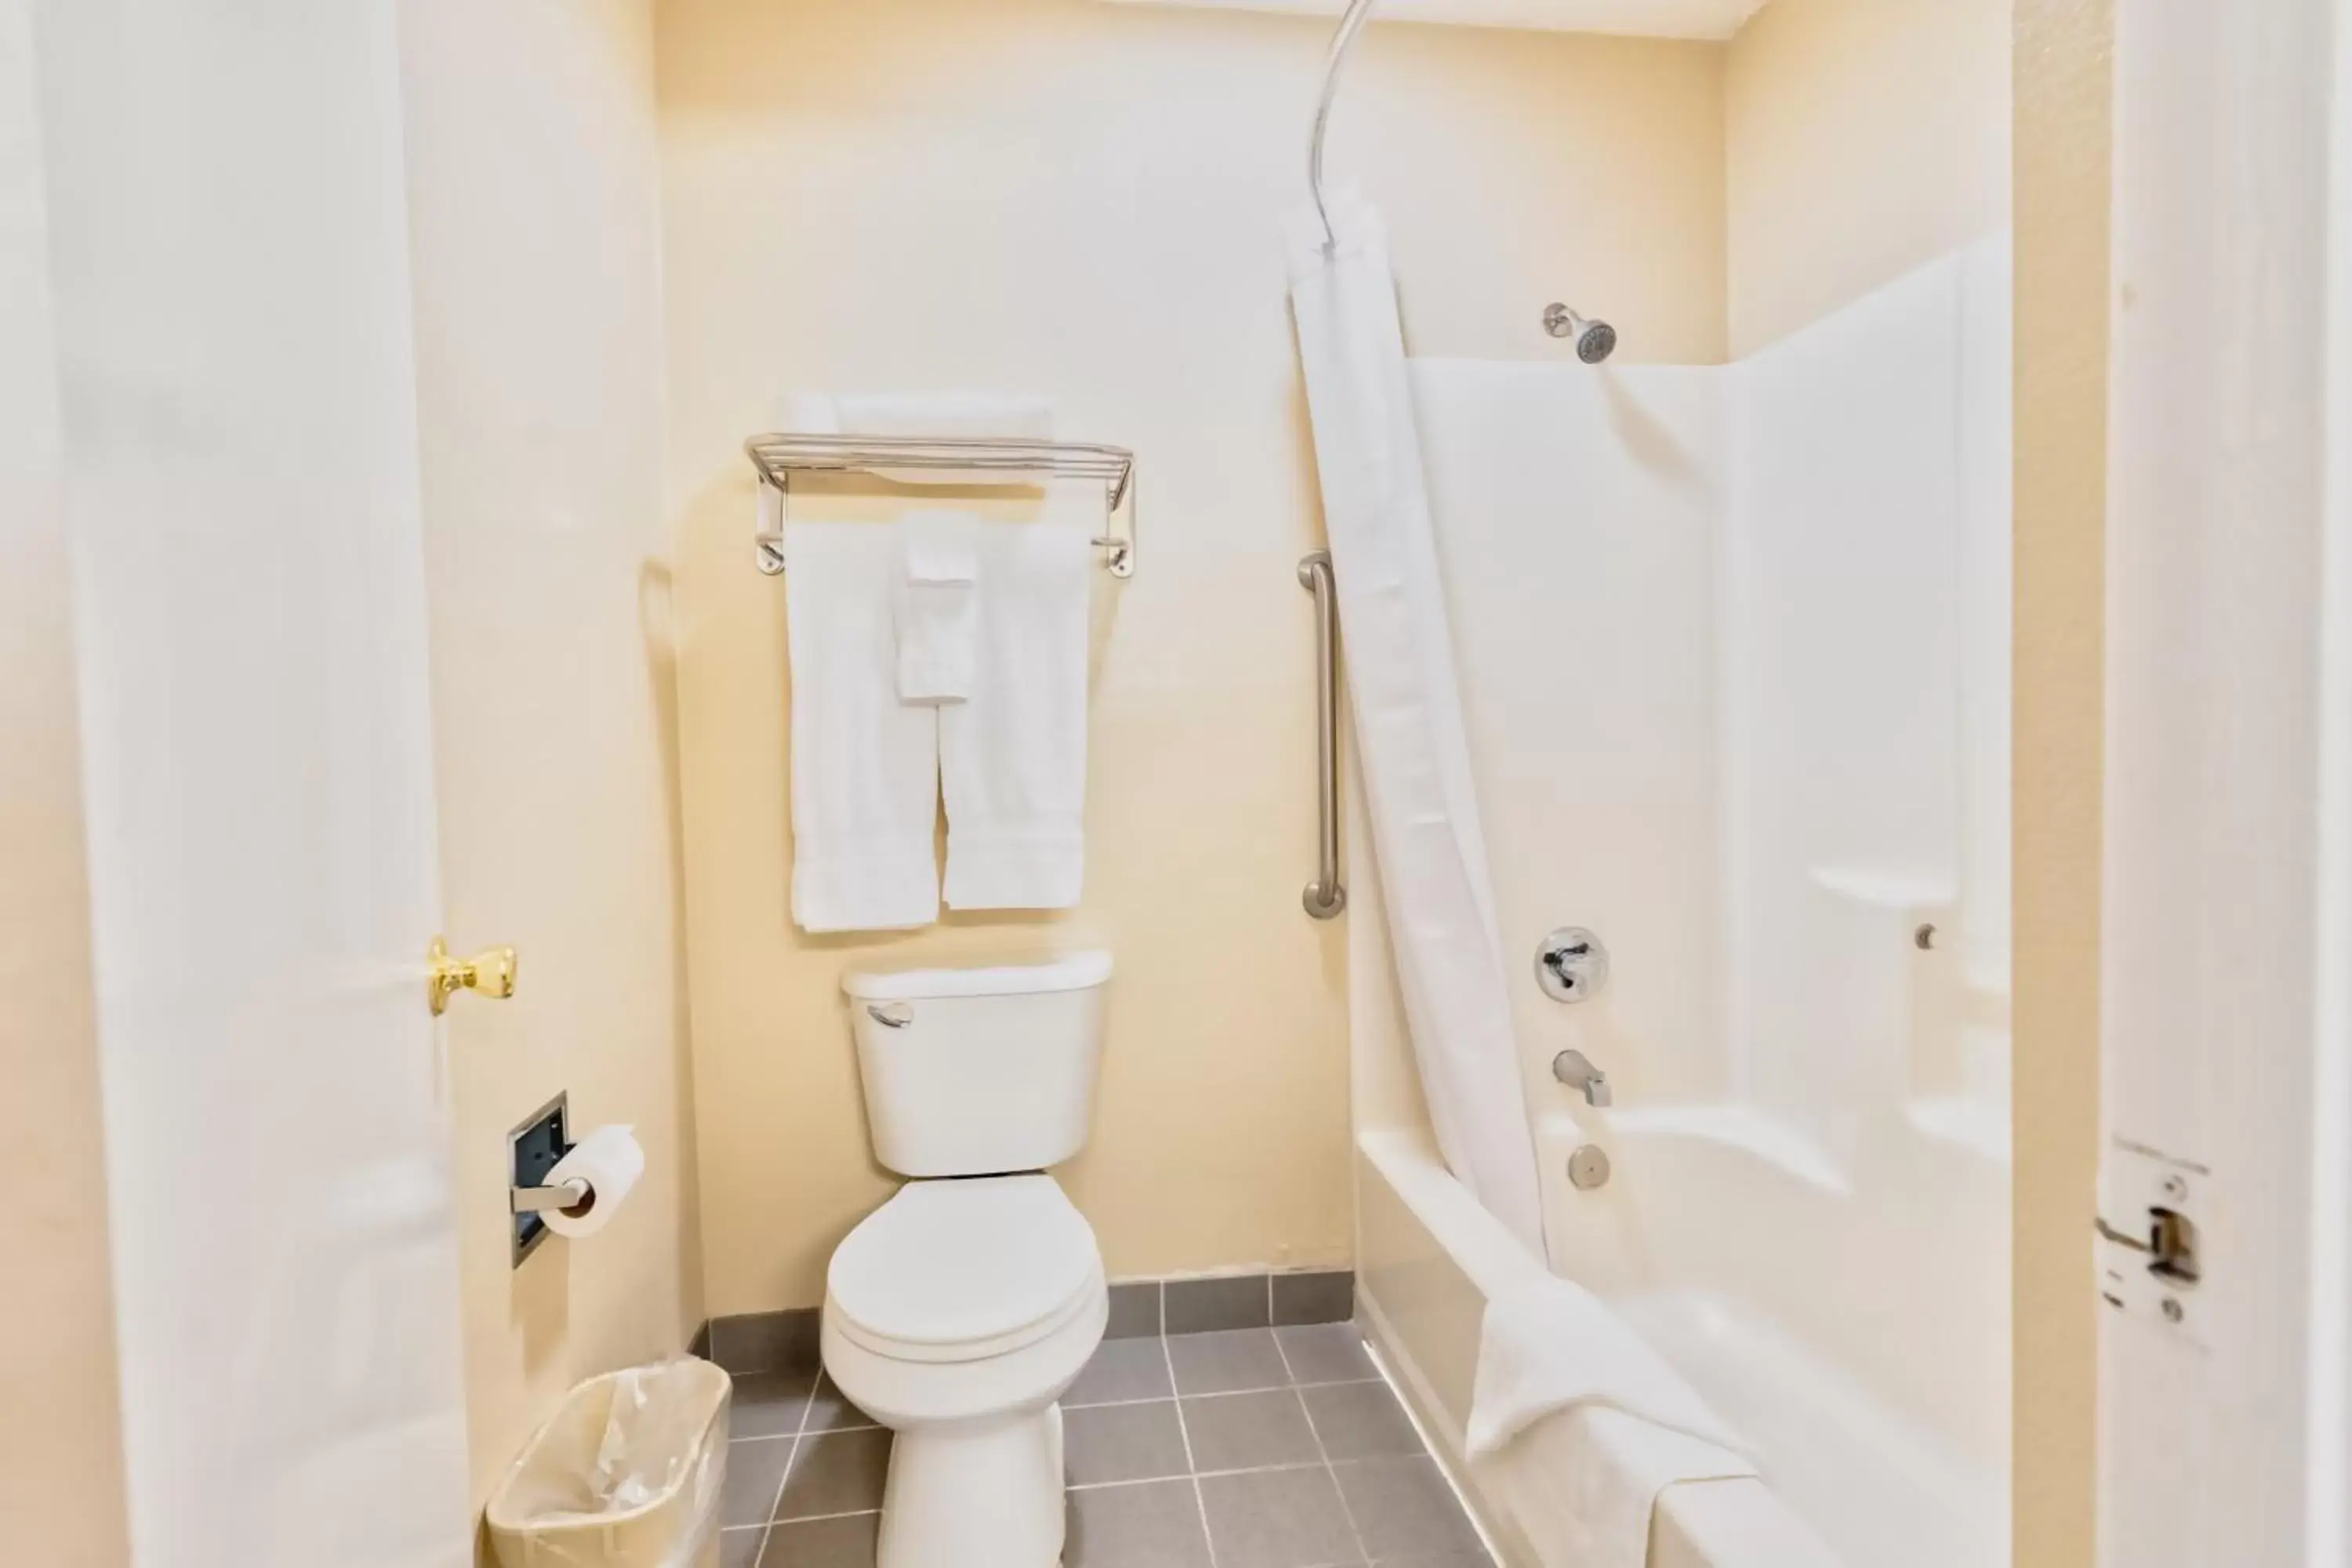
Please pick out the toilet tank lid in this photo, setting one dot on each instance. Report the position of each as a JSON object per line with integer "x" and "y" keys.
{"x": 1069, "y": 971}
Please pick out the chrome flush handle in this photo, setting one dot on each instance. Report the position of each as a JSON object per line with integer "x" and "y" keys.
{"x": 890, "y": 1014}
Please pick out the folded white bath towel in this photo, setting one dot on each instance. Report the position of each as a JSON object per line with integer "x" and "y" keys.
{"x": 948, "y": 415}
{"x": 1632, "y": 1427}
{"x": 937, "y": 607}
{"x": 1012, "y": 756}
{"x": 865, "y": 766}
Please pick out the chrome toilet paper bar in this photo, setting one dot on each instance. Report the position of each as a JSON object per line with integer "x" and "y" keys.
{"x": 538, "y": 1200}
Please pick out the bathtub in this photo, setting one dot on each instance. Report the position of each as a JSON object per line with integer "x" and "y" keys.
{"x": 1429, "y": 1258}
{"x": 1843, "y": 1305}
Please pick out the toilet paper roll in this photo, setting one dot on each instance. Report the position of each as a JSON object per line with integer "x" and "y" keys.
{"x": 610, "y": 1160}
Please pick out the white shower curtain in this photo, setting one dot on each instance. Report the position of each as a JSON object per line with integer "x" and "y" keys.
{"x": 1407, "y": 705}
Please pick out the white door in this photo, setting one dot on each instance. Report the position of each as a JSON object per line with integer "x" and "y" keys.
{"x": 229, "y": 258}
{"x": 2228, "y": 797}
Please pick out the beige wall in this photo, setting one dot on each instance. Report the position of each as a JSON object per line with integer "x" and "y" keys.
{"x": 61, "y": 1499}
{"x": 532, "y": 178}
{"x": 1086, "y": 201}
{"x": 1865, "y": 138}
{"x": 2063, "y": 138}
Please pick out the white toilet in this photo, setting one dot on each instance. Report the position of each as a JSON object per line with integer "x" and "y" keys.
{"x": 958, "y": 1312}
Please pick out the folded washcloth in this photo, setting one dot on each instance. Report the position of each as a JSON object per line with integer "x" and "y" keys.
{"x": 947, "y": 415}
{"x": 1552, "y": 1348}
{"x": 1012, "y": 756}
{"x": 865, "y": 766}
{"x": 938, "y": 607}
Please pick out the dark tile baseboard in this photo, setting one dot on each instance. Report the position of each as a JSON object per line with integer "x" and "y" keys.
{"x": 787, "y": 1342}
{"x": 1204, "y": 1305}
{"x": 765, "y": 1342}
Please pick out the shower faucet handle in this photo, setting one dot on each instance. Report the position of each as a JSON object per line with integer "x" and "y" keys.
{"x": 1571, "y": 964}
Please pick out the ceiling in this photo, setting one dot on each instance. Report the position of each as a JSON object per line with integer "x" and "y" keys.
{"x": 1654, "y": 18}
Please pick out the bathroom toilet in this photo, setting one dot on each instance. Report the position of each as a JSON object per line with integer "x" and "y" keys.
{"x": 958, "y": 1312}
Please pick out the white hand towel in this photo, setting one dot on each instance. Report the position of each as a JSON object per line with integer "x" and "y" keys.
{"x": 865, "y": 766}
{"x": 938, "y": 607}
{"x": 948, "y": 415}
{"x": 1552, "y": 1348}
{"x": 1012, "y": 756}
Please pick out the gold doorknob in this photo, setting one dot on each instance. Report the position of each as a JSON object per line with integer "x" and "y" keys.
{"x": 490, "y": 972}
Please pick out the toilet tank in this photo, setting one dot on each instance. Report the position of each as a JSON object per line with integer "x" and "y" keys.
{"x": 972, "y": 1072}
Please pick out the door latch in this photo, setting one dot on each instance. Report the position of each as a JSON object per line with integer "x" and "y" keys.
{"x": 2171, "y": 1244}
{"x": 2151, "y": 1255}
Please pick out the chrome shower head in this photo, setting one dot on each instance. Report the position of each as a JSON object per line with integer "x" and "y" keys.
{"x": 1595, "y": 341}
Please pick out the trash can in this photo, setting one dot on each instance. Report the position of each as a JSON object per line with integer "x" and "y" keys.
{"x": 624, "y": 1475}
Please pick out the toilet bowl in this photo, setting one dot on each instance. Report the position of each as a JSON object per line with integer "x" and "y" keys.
{"x": 955, "y": 1315}
{"x": 959, "y": 1312}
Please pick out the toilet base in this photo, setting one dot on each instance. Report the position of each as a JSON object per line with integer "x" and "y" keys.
{"x": 978, "y": 1494}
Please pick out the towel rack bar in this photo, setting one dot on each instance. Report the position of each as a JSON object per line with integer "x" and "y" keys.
{"x": 996, "y": 459}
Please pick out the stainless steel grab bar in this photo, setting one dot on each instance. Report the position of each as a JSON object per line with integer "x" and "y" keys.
{"x": 1324, "y": 896}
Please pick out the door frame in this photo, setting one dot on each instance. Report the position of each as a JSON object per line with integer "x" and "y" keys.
{"x": 2227, "y": 973}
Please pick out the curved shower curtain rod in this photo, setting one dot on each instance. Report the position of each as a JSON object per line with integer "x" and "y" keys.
{"x": 1359, "y": 12}
{"x": 1595, "y": 340}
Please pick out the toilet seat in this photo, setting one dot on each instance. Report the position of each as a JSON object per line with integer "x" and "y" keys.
{"x": 963, "y": 1270}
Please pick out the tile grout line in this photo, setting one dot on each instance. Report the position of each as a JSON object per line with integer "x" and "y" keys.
{"x": 1199, "y": 1501}
{"x": 1205, "y": 1475}
{"x": 1220, "y": 1393}
{"x": 1429, "y": 1452}
{"x": 820, "y": 1518}
{"x": 1355, "y": 1531}
{"x": 776, "y": 1503}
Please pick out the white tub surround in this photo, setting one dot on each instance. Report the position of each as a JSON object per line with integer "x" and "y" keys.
{"x": 1774, "y": 593}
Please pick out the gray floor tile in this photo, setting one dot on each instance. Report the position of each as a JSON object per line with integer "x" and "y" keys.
{"x": 1326, "y": 1352}
{"x": 1249, "y": 1431}
{"x": 1205, "y": 1306}
{"x": 831, "y": 1411}
{"x": 1320, "y": 1297}
{"x": 1404, "y": 1510}
{"x": 1121, "y": 1370}
{"x": 1134, "y": 1310}
{"x": 823, "y": 1542}
{"x": 1450, "y": 1559}
{"x": 1226, "y": 1362}
{"x": 740, "y": 1547}
{"x": 755, "y": 1470}
{"x": 1360, "y": 1421}
{"x": 1277, "y": 1518}
{"x": 838, "y": 1472}
{"x": 1153, "y": 1524}
{"x": 769, "y": 1404}
{"x": 1122, "y": 1443}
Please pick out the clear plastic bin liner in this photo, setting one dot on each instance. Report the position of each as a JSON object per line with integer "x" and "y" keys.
{"x": 625, "y": 1474}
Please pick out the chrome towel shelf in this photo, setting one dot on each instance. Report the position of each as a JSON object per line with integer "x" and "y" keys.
{"x": 977, "y": 459}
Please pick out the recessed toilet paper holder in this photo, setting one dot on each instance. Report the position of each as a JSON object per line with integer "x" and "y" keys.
{"x": 533, "y": 1150}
